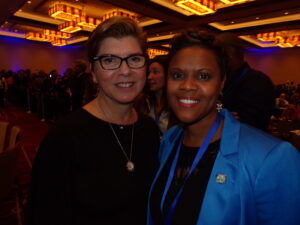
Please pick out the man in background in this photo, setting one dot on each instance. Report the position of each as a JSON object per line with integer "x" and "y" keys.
{"x": 249, "y": 94}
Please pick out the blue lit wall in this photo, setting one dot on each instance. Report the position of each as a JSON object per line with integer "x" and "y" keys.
{"x": 17, "y": 53}
{"x": 280, "y": 64}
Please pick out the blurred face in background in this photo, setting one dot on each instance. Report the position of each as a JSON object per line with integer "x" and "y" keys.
{"x": 156, "y": 77}
{"x": 194, "y": 84}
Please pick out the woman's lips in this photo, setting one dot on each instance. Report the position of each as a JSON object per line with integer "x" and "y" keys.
{"x": 188, "y": 102}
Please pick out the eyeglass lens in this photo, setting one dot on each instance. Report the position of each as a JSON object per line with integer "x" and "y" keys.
{"x": 114, "y": 62}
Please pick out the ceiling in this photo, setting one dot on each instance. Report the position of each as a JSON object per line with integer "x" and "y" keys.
{"x": 161, "y": 19}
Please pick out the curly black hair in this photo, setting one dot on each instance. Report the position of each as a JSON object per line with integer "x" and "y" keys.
{"x": 201, "y": 39}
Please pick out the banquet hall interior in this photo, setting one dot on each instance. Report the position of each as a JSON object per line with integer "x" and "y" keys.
{"x": 43, "y": 41}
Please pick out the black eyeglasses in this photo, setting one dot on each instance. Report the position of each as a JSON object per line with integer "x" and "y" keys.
{"x": 112, "y": 62}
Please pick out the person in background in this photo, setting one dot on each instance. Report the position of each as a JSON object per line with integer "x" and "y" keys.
{"x": 280, "y": 105}
{"x": 78, "y": 84}
{"x": 3, "y": 89}
{"x": 249, "y": 94}
{"x": 153, "y": 102}
{"x": 215, "y": 169}
{"x": 96, "y": 166}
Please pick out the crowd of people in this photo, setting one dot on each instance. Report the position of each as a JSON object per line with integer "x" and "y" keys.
{"x": 152, "y": 143}
{"x": 49, "y": 94}
{"x": 287, "y": 104}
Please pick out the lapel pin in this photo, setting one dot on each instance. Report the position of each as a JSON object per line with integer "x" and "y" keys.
{"x": 221, "y": 178}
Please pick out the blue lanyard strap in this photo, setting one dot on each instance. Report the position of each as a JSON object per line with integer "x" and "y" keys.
{"x": 197, "y": 158}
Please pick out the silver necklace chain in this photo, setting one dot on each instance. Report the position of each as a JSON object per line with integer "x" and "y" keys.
{"x": 129, "y": 164}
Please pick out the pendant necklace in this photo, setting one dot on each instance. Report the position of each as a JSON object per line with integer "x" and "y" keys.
{"x": 129, "y": 164}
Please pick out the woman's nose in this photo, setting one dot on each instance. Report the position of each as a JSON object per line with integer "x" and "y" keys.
{"x": 188, "y": 84}
{"x": 124, "y": 68}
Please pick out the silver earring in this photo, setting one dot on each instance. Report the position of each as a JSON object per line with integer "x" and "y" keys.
{"x": 219, "y": 104}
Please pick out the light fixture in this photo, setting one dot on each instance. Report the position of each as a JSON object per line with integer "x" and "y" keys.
{"x": 283, "y": 43}
{"x": 56, "y": 34}
{"x": 229, "y": 2}
{"x": 59, "y": 42}
{"x": 69, "y": 27}
{"x": 38, "y": 37}
{"x": 199, "y": 7}
{"x": 65, "y": 12}
{"x": 89, "y": 22}
{"x": 283, "y": 39}
{"x": 117, "y": 12}
{"x": 271, "y": 36}
{"x": 152, "y": 52}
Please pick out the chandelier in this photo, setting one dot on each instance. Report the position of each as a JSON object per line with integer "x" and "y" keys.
{"x": 117, "y": 12}
{"x": 65, "y": 12}
{"x": 56, "y": 34}
{"x": 281, "y": 39}
{"x": 229, "y": 2}
{"x": 69, "y": 27}
{"x": 38, "y": 37}
{"x": 88, "y": 22}
{"x": 59, "y": 42}
{"x": 152, "y": 52}
{"x": 199, "y": 7}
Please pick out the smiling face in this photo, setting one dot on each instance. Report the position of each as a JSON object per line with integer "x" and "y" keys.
{"x": 156, "y": 77}
{"x": 120, "y": 85}
{"x": 194, "y": 84}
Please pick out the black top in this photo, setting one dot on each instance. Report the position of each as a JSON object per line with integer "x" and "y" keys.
{"x": 80, "y": 175}
{"x": 189, "y": 204}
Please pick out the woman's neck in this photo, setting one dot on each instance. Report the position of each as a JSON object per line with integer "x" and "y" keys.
{"x": 159, "y": 101}
{"x": 112, "y": 112}
{"x": 195, "y": 134}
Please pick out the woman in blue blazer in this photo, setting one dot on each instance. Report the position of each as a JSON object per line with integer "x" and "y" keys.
{"x": 239, "y": 175}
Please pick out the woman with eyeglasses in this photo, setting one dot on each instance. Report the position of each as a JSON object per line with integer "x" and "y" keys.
{"x": 215, "y": 170}
{"x": 96, "y": 166}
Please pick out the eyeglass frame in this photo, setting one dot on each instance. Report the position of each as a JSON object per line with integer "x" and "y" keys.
{"x": 98, "y": 58}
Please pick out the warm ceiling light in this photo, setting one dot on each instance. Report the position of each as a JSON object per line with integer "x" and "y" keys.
{"x": 233, "y": 1}
{"x": 59, "y": 42}
{"x": 118, "y": 12}
{"x": 57, "y": 34}
{"x": 38, "y": 37}
{"x": 271, "y": 36}
{"x": 64, "y": 12}
{"x": 199, "y": 7}
{"x": 283, "y": 43}
{"x": 89, "y": 22}
{"x": 69, "y": 27}
{"x": 29, "y": 2}
{"x": 152, "y": 52}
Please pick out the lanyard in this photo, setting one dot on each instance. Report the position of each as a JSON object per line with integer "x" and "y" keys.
{"x": 197, "y": 158}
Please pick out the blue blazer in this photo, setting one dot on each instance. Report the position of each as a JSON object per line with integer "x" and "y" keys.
{"x": 260, "y": 178}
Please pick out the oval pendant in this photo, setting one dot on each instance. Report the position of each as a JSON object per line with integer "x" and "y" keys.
{"x": 130, "y": 166}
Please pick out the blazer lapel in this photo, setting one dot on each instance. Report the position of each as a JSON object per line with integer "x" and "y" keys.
{"x": 221, "y": 198}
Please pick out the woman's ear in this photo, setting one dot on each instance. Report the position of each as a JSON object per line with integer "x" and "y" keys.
{"x": 223, "y": 82}
{"x": 91, "y": 66}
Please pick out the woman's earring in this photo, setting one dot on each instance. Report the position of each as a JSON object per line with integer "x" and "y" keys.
{"x": 219, "y": 103}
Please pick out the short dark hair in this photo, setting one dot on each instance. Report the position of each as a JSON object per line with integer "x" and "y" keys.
{"x": 200, "y": 39}
{"x": 116, "y": 27}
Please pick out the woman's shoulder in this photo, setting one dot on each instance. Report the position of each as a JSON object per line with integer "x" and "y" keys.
{"x": 74, "y": 123}
{"x": 257, "y": 144}
{"x": 72, "y": 120}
